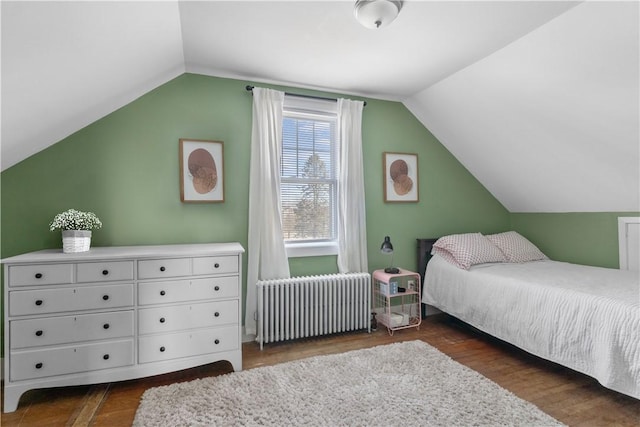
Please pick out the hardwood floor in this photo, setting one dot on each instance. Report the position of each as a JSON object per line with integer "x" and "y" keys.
{"x": 572, "y": 398}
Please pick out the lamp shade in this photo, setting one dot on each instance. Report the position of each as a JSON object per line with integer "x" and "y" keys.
{"x": 387, "y": 247}
{"x": 376, "y": 13}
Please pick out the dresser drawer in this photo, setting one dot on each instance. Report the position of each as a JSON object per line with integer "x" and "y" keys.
{"x": 153, "y": 348}
{"x": 170, "y": 267}
{"x": 188, "y": 290}
{"x": 70, "y": 329}
{"x": 70, "y": 359}
{"x": 215, "y": 265}
{"x": 46, "y": 274}
{"x": 104, "y": 271}
{"x": 70, "y": 299}
{"x": 180, "y": 317}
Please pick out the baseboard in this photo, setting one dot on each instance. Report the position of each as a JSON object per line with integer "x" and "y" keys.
{"x": 247, "y": 337}
{"x": 430, "y": 310}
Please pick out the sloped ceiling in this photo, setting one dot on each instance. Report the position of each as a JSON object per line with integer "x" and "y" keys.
{"x": 67, "y": 64}
{"x": 536, "y": 99}
{"x": 550, "y": 122}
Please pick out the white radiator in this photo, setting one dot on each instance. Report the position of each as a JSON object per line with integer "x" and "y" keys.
{"x": 308, "y": 306}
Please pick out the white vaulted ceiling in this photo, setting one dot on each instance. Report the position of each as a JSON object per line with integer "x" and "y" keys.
{"x": 539, "y": 100}
{"x": 550, "y": 122}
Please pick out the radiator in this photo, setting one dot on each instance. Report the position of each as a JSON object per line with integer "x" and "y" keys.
{"x": 302, "y": 307}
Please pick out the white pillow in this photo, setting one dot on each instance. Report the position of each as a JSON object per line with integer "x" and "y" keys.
{"x": 515, "y": 247}
{"x": 465, "y": 250}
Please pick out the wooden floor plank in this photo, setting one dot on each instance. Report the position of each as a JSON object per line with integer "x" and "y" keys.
{"x": 571, "y": 397}
{"x": 94, "y": 398}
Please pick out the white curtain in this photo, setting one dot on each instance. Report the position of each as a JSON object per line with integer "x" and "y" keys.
{"x": 266, "y": 258}
{"x": 352, "y": 226}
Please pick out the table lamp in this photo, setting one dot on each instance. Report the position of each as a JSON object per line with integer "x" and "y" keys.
{"x": 387, "y": 248}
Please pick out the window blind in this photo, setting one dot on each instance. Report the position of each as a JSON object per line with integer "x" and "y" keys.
{"x": 309, "y": 175}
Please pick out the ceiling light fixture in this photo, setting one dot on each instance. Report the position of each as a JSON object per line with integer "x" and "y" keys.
{"x": 376, "y": 13}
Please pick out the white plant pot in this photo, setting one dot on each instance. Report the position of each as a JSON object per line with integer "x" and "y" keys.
{"x": 76, "y": 241}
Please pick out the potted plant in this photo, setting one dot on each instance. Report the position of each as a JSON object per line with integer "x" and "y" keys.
{"x": 76, "y": 229}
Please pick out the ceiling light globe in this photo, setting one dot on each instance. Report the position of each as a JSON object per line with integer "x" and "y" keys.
{"x": 376, "y": 13}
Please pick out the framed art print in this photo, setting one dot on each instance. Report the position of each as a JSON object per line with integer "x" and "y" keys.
{"x": 201, "y": 171}
{"x": 400, "y": 177}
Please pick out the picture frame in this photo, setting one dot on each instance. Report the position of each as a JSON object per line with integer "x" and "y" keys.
{"x": 400, "y": 172}
{"x": 201, "y": 171}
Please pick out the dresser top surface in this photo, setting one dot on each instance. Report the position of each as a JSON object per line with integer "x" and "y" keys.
{"x": 116, "y": 252}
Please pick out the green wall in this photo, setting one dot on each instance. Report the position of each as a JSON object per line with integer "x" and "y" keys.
{"x": 581, "y": 238}
{"x": 124, "y": 167}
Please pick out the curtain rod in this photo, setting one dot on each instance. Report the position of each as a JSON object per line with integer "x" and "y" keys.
{"x": 249, "y": 88}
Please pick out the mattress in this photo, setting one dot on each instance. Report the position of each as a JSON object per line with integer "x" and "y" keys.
{"x": 585, "y": 318}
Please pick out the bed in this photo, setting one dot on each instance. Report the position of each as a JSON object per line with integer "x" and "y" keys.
{"x": 585, "y": 318}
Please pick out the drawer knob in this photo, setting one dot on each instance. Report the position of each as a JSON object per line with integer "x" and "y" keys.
{"x": 216, "y": 314}
{"x": 216, "y": 265}
{"x": 39, "y": 333}
{"x": 162, "y": 268}
{"x": 105, "y": 272}
{"x": 38, "y": 275}
{"x": 39, "y": 365}
{"x": 163, "y": 293}
{"x": 217, "y": 341}
{"x": 162, "y": 320}
{"x": 105, "y": 326}
{"x": 105, "y": 297}
{"x": 162, "y": 349}
{"x": 105, "y": 357}
{"x": 217, "y": 288}
{"x": 38, "y": 302}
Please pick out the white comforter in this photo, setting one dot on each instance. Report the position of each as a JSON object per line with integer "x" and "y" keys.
{"x": 585, "y": 318}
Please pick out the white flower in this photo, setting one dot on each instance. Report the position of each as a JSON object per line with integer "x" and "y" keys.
{"x": 75, "y": 220}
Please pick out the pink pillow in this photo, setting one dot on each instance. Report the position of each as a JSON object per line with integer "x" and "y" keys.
{"x": 515, "y": 247}
{"x": 465, "y": 250}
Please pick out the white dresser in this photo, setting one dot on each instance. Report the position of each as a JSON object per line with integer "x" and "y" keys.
{"x": 117, "y": 313}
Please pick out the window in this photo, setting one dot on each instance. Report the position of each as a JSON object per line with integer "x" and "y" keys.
{"x": 309, "y": 174}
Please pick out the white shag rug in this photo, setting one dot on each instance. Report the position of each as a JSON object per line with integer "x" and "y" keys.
{"x": 401, "y": 384}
